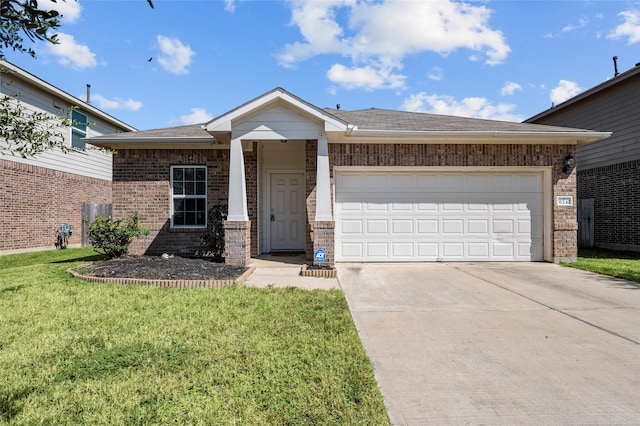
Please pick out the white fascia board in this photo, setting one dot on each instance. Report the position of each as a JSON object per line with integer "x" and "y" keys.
{"x": 224, "y": 122}
{"x": 578, "y": 136}
{"x": 176, "y": 142}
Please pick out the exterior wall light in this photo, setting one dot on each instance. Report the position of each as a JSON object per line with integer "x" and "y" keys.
{"x": 569, "y": 163}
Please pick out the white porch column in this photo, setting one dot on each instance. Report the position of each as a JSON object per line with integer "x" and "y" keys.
{"x": 237, "y": 184}
{"x": 323, "y": 182}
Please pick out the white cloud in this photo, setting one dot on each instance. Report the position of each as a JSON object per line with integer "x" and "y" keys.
{"x": 367, "y": 78}
{"x": 582, "y": 22}
{"x": 510, "y": 88}
{"x": 629, "y": 28}
{"x": 474, "y": 107}
{"x": 381, "y": 34}
{"x": 436, "y": 74}
{"x": 229, "y": 5}
{"x": 197, "y": 116}
{"x": 564, "y": 90}
{"x": 115, "y": 103}
{"x": 70, "y": 53}
{"x": 69, "y": 10}
{"x": 175, "y": 57}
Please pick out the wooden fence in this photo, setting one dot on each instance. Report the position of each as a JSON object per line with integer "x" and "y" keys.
{"x": 89, "y": 213}
{"x": 586, "y": 228}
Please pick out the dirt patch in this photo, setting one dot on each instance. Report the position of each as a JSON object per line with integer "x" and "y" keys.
{"x": 158, "y": 268}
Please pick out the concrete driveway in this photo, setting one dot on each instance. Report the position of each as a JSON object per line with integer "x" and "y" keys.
{"x": 498, "y": 343}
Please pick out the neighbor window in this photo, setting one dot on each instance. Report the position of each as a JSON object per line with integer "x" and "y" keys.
{"x": 189, "y": 196}
{"x": 78, "y": 129}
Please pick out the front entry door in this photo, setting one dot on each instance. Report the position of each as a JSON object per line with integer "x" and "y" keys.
{"x": 287, "y": 211}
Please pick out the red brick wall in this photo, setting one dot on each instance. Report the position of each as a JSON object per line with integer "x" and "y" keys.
{"x": 141, "y": 182}
{"x": 615, "y": 191}
{"x": 35, "y": 201}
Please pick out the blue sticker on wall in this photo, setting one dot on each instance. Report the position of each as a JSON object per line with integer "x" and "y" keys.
{"x": 320, "y": 255}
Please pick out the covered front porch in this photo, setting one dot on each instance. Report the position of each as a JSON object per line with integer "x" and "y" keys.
{"x": 290, "y": 188}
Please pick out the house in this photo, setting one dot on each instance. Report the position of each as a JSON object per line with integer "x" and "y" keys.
{"x": 608, "y": 170}
{"x": 39, "y": 194}
{"x": 365, "y": 186}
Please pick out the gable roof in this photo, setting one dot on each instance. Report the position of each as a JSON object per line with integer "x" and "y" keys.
{"x": 381, "y": 124}
{"x": 13, "y": 70}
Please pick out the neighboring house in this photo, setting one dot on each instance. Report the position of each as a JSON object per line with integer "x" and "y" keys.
{"x": 368, "y": 185}
{"x": 38, "y": 195}
{"x": 608, "y": 170}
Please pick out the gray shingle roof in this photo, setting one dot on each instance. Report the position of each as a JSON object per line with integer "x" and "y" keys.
{"x": 192, "y": 131}
{"x": 383, "y": 119}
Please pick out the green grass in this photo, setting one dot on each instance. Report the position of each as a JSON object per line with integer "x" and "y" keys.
{"x": 78, "y": 353}
{"x": 618, "y": 264}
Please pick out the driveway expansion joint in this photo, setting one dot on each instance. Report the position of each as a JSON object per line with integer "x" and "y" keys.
{"x": 560, "y": 311}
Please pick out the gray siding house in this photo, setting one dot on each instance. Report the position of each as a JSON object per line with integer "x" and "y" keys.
{"x": 608, "y": 169}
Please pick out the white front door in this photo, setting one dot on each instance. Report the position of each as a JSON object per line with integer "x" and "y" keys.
{"x": 287, "y": 212}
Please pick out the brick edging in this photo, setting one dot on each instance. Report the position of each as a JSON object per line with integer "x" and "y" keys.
{"x": 179, "y": 284}
{"x": 322, "y": 273}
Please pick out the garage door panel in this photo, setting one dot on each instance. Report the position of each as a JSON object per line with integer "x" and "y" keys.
{"x": 377, "y": 227}
{"x": 425, "y": 216}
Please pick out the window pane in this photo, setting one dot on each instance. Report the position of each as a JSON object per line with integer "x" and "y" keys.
{"x": 189, "y": 188}
{"x": 76, "y": 139}
{"x": 178, "y": 218}
{"x": 190, "y": 218}
{"x": 201, "y": 205}
{"x": 178, "y": 173}
{"x": 201, "y": 188}
{"x": 189, "y": 173}
{"x": 79, "y": 121}
{"x": 200, "y": 216}
{"x": 191, "y": 205}
{"x": 178, "y": 205}
{"x": 200, "y": 174}
{"x": 178, "y": 188}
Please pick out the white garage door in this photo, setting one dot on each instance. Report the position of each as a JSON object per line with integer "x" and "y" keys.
{"x": 420, "y": 216}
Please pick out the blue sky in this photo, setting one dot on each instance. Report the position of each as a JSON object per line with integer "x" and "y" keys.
{"x": 504, "y": 60}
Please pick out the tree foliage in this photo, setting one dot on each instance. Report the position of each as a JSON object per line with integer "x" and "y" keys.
{"x": 23, "y": 18}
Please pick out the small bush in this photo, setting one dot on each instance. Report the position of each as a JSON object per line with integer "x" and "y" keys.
{"x": 214, "y": 238}
{"x": 113, "y": 236}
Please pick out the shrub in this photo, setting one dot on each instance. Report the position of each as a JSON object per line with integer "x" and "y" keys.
{"x": 214, "y": 238}
{"x": 113, "y": 236}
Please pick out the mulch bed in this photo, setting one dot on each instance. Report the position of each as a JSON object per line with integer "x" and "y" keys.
{"x": 157, "y": 268}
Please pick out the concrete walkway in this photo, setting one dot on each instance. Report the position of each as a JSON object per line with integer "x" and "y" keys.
{"x": 284, "y": 271}
{"x": 489, "y": 343}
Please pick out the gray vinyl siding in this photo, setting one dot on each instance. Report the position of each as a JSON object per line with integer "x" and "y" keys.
{"x": 91, "y": 162}
{"x": 615, "y": 109}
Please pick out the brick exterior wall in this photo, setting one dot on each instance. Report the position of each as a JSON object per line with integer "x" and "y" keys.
{"x": 36, "y": 201}
{"x": 616, "y": 195}
{"x": 141, "y": 183}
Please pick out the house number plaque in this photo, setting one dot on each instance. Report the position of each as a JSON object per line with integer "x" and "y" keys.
{"x": 564, "y": 200}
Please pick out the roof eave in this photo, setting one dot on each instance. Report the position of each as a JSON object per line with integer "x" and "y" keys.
{"x": 579, "y": 137}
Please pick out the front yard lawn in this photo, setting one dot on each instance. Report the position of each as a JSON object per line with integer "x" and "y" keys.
{"x": 78, "y": 353}
{"x": 619, "y": 264}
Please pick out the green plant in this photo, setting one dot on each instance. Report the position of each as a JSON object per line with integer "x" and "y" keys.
{"x": 113, "y": 236}
{"x": 214, "y": 238}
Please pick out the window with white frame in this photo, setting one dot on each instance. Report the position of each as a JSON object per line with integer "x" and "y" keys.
{"x": 188, "y": 196}
{"x": 78, "y": 129}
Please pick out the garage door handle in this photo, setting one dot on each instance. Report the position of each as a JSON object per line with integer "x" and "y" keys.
{"x": 273, "y": 219}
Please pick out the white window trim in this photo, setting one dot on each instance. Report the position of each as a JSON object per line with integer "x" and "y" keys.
{"x": 184, "y": 197}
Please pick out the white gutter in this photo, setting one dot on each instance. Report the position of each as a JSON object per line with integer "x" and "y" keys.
{"x": 481, "y": 133}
